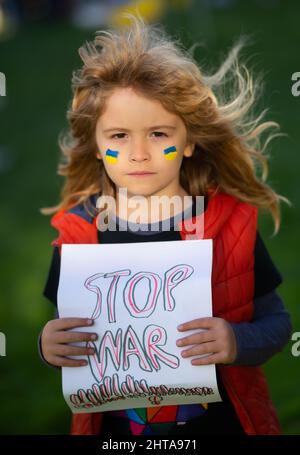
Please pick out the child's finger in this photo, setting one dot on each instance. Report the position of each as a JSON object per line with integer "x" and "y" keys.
{"x": 199, "y": 349}
{"x": 207, "y": 360}
{"x": 197, "y": 338}
{"x": 201, "y": 323}
{"x": 65, "y": 362}
{"x": 71, "y": 323}
{"x": 73, "y": 337}
{"x": 66, "y": 350}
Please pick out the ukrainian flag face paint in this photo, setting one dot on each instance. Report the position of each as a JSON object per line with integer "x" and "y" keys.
{"x": 111, "y": 156}
{"x": 170, "y": 153}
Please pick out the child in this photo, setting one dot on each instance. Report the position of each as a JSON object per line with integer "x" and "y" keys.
{"x": 141, "y": 104}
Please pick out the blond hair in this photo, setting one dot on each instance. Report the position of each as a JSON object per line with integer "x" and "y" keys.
{"x": 228, "y": 152}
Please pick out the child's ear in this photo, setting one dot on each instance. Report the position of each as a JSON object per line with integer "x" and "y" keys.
{"x": 98, "y": 156}
{"x": 189, "y": 150}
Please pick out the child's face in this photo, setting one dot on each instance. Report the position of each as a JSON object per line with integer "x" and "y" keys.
{"x": 139, "y": 142}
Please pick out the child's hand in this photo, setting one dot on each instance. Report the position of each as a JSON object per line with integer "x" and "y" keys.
{"x": 56, "y": 336}
{"x": 218, "y": 341}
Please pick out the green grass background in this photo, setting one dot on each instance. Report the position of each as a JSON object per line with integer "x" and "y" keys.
{"x": 38, "y": 63}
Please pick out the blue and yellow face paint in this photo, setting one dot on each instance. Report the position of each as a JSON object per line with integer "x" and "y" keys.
{"x": 111, "y": 156}
{"x": 170, "y": 153}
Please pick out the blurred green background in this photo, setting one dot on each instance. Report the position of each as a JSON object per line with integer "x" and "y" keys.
{"x": 38, "y": 55}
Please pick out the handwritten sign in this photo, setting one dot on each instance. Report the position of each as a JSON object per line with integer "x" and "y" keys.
{"x": 137, "y": 294}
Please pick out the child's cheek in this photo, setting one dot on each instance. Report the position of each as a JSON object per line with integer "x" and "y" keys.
{"x": 170, "y": 153}
{"x": 111, "y": 156}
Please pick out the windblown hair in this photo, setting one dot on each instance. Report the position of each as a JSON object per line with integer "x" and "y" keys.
{"x": 228, "y": 155}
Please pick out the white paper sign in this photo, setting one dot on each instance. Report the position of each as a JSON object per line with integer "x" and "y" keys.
{"x": 137, "y": 294}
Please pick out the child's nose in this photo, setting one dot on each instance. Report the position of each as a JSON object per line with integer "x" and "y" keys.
{"x": 139, "y": 152}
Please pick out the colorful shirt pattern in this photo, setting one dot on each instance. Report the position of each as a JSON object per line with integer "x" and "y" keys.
{"x": 159, "y": 419}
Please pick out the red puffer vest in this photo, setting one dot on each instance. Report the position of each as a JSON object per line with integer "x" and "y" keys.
{"x": 232, "y": 226}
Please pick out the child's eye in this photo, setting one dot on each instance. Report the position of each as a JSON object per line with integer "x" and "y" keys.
{"x": 160, "y": 132}
{"x": 117, "y": 134}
